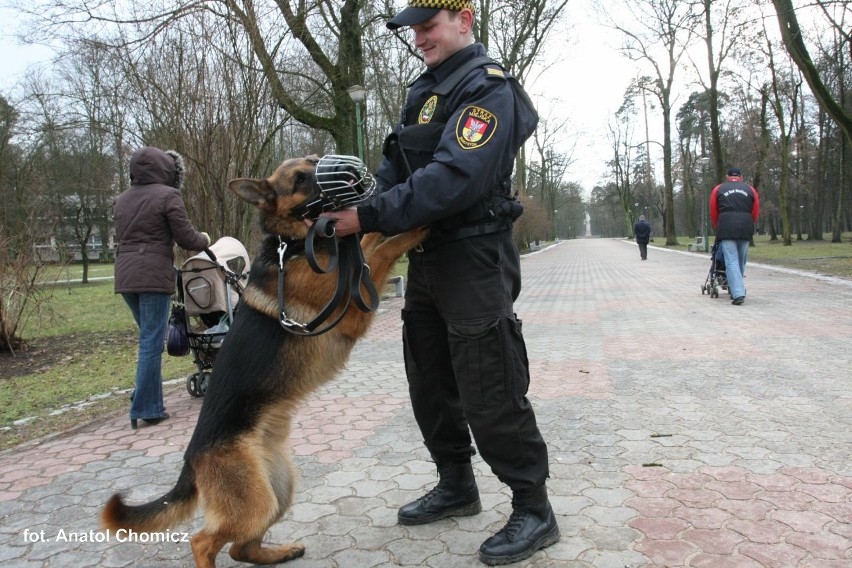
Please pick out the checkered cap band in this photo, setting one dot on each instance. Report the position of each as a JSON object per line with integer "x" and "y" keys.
{"x": 454, "y": 5}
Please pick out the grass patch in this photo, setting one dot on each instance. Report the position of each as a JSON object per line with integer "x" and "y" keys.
{"x": 823, "y": 257}
{"x": 80, "y": 345}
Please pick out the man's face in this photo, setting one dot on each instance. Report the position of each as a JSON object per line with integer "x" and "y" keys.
{"x": 442, "y": 36}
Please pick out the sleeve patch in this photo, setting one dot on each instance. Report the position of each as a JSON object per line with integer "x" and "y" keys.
{"x": 475, "y": 127}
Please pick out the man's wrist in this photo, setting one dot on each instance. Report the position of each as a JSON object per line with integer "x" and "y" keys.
{"x": 368, "y": 218}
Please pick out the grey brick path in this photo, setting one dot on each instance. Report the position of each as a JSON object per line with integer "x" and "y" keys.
{"x": 683, "y": 431}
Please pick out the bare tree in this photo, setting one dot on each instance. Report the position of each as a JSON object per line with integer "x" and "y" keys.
{"x": 533, "y": 225}
{"x": 794, "y": 40}
{"x": 517, "y": 30}
{"x": 693, "y": 129}
{"x": 307, "y": 69}
{"x": 620, "y": 134}
{"x": 550, "y": 168}
{"x": 658, "y": 33}
{"x": 24, "y": 224}
{"x": 791, "y": 35}
{"x": 723, "y": 29}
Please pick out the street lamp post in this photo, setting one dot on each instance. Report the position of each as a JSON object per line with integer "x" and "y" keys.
{"x": 704, "y": 160}
{"x": 358, "y": 94}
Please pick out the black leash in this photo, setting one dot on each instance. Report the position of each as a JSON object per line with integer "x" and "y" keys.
{"x": 353, "y": 274}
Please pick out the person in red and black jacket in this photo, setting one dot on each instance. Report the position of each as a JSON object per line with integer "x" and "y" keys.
{"x": 734, "y": 208}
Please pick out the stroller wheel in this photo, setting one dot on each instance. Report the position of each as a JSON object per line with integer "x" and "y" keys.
{"x": 703, "y": 290}
{"x": 203, "y": 382}
{"x": 715, "y": 293}
{"x": 193, "y": 383}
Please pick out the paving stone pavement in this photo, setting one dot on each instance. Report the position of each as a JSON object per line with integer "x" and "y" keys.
{"x": 683, "y": 431}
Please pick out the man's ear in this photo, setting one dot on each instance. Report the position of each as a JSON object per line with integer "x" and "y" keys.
{"x": 466, "y": 16}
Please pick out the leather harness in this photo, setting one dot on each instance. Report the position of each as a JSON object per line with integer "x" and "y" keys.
{"x": 353, "y": 273}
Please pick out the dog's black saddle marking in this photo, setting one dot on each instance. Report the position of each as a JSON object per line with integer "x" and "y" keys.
{"x": 353, "y": 273}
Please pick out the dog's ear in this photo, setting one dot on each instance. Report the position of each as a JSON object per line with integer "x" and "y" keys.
{"x": 313, "y": 158}
{"x": 255, "y": 191}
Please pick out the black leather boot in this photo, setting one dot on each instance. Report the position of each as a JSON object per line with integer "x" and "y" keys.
{"x": 456, "y": 495}
{"x": 531, "y": 527}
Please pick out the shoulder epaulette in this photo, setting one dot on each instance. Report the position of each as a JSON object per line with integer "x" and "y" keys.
{"x": 495, "y": 72}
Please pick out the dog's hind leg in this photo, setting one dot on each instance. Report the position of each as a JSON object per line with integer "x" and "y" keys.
{"x": 282, "y": 477}
{"x": 283, "y": 482}
{"x": 205, "y": 547}
{"x": 240, "y": 503}
{"x": 282, "y": 473}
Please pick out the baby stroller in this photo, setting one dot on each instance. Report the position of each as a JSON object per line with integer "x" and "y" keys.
{"x": 209, "y": 285}
{"x": 716, "y": 278}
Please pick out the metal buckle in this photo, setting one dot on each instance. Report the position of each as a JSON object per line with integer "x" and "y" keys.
{"x": 285, "y": 321}
{"x": 282, "y": 249}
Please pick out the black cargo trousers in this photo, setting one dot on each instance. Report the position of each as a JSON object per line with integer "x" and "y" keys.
{"x": 466, "y": 359}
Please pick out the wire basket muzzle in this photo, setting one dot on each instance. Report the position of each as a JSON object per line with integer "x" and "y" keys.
{"x": 343, "y": 181}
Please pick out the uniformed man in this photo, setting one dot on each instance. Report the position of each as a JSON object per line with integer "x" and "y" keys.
{"x": 448, "y": 165}
{"x": 734, "y": 209}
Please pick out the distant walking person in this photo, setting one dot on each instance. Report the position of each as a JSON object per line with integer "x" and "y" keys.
{"x": 734, "y": 208}
{"x": 642, "y": 233}
{"x": 150, "y": 218}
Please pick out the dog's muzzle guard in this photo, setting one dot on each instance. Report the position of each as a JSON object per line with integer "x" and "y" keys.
{"x": 341, "y": 182}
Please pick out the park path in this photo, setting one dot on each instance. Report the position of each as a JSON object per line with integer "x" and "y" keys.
{"x": 683, "y": 431}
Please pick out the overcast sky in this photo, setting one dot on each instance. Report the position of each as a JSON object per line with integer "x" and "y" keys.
{"x": 14, "y": 56}
{"x": 584, "y": 84}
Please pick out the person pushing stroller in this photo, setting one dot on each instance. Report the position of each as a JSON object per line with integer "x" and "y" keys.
{"x": 734, "y": 209}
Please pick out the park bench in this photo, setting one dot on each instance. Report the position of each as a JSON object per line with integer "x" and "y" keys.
{"x": 698, "y": 245}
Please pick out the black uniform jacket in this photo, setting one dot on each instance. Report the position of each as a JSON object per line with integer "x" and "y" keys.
{"x": 487, "y": 125}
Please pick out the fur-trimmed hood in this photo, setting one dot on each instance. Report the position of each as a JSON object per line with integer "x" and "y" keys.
{"x": 151, "y": 165}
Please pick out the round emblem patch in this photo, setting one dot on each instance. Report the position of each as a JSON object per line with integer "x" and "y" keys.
{"x": 475, "y": 127}
{"x": 428, "y": 110}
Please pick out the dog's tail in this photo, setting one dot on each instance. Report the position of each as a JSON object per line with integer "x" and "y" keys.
{"x": 170, "y": 509}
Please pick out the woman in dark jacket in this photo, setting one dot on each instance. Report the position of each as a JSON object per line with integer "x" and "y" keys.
{"x": 150, "y": 218}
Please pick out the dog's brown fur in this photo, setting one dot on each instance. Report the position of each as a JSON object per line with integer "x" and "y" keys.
{"x": 238, "y": 463}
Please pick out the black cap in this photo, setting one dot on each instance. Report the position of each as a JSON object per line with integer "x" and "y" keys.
{"x": 419, "y": 11}
{"x": 734, "y": 172}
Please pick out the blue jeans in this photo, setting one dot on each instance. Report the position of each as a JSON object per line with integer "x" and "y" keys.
{"x": 151, "y": 312}
{"x": 735, "y": 253}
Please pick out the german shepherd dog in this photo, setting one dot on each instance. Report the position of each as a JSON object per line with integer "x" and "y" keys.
{"x": 238, "y": 464}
